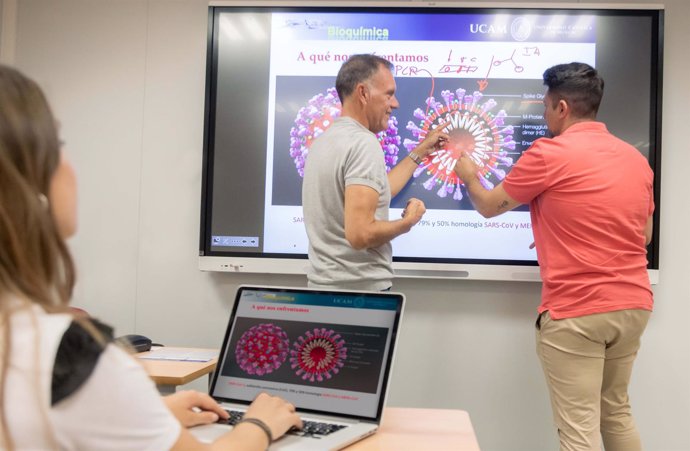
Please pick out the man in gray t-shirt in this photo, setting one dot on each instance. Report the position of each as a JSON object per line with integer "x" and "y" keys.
{"x": 346, "y": 191}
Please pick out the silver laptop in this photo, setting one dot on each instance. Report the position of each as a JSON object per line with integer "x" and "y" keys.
{"x": 328, "y": 352}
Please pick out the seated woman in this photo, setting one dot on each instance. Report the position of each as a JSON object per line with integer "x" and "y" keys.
{"x": 63, "y": 384}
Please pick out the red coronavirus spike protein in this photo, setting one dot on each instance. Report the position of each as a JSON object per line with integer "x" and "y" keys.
{"x": 472, "y": 128}
{"x": 319, "y": 113}
{"x": 318, "y": 355}
{"x": 262, "y": 349}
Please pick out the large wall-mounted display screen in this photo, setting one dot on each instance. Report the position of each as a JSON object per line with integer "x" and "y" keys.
{"x": 270, "y": 92}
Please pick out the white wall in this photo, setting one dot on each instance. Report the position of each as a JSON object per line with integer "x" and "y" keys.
{"x": 126, "y": 79}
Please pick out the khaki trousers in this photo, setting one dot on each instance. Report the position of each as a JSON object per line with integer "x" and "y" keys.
{"x": 587, "y": 363}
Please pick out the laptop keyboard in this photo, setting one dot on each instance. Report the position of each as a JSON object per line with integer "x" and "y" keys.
{"x": 309, "y": 429}
{"x": 235, "y": 417}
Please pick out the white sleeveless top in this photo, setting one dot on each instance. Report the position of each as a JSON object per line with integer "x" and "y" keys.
{"x": 116, "y": 408}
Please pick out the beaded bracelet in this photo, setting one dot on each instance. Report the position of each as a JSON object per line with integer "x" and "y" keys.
{"x": 261, "y": 424}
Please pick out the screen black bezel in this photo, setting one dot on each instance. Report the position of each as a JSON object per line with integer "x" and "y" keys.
{"x": 386, "y": 367}
{"x": 656, "y": 15}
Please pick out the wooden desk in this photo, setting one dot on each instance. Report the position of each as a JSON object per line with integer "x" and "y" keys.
{"x": 412, "y": 429}
{"x": 402, "y": 429}
{"x": 168, "y": 374}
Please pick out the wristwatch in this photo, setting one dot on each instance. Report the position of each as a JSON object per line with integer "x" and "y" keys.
{"x": 414, "y": 157}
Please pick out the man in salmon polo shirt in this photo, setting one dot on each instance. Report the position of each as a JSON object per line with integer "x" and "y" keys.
{"x": 591, "y": 203}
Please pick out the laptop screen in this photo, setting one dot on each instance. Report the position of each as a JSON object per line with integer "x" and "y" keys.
{"x": 324, "y": 351}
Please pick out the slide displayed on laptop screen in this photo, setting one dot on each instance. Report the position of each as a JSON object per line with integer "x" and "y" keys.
{"x": 320, "y": 351}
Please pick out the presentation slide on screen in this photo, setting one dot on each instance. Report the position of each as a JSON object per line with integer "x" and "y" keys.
{"x": 319, "y": 352}
{"x": 482, "y": 74}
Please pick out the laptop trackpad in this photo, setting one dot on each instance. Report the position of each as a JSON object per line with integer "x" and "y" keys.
{"x": 210, "y": 432}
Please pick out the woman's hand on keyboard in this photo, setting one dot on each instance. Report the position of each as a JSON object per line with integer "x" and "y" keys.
{"x": 192, "y": 408}
{"x": 278, "y": 414}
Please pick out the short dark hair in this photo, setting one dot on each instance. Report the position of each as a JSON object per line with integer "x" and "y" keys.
{"x": 355, "y": 70}
{"x": 579, "y": 84}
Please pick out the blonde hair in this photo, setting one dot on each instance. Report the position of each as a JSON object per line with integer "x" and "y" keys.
{"x": 35, "y": 264}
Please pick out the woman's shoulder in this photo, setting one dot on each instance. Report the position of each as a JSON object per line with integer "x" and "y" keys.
{"x": 77, "y": 355}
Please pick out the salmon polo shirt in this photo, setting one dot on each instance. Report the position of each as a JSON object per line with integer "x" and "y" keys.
{"x": 590, "y": 195}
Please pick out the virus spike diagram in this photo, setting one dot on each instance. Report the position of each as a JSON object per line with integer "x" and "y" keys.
{"x": 262, "y": 349}
{"x": 312, "y": 120}
{"x": 318, "y": 355}
{"x": 474, "y": 129}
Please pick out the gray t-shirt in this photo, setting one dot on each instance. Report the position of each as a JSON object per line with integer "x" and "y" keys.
{"x": 345, "y": 154}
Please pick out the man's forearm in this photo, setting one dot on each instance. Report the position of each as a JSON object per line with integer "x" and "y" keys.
{"x": 488, "y": 203}
{"x": 400, "y": 175}
{"x": 377, "y": 233}
{"x": 478, "y": 196}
